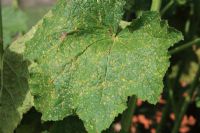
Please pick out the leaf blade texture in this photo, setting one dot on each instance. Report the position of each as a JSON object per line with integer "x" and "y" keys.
{"x": 81, "y": 64}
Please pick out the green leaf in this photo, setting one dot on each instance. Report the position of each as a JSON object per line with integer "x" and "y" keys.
{"x": 81, "y": 64}
{"x": 197, "y": 101}
{"x": 181, "y": 2}
{"x": 16, "y": 98}
{"x": 14, "y": 22}
{"x": 189, "y": 73}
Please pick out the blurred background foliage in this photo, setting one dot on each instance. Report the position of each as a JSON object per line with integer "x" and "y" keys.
{"x": 179, "y": 107}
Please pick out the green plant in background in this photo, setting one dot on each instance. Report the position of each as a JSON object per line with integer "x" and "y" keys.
{"x": 81, "y": 60}
{"x": 14, "y": 22}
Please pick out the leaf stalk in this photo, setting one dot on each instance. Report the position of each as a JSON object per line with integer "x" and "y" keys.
{"x": 185, "y": 46}
{"x": 186, "y": 102}
{"x": 155, "y": 5}
{"x": 1, "y": 33}
{"x": 1, "y": 51}
{"x": 127, "y": 115}
{"x": 167, "y": 7}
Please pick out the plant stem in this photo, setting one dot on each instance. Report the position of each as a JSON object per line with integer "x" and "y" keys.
{"x": 180, "y": 116}
{"x": 166, "y": 110}
{"x": 171, "y": 98}
{"x": 15, "y": 4}
{"x": 155, "y": 5}
{"x": 1, "y": 33}
{"x": 1, "y": 50}
{"x": 186, "y": 103}
{"x": 184, "y": 46}
{"x": 173, "y": 91}
{"x": 165, "y": 114}
{"x": 127, "y": 115}
{"x": 163, "y": 11}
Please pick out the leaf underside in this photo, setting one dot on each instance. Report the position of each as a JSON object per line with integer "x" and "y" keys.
{"x": 16, "y": 98}
{"x": 81, "y": 63}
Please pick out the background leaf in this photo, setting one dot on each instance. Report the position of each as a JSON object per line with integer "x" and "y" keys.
{"x": 16, "y": 98}
{"x": 14, "y": 23}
